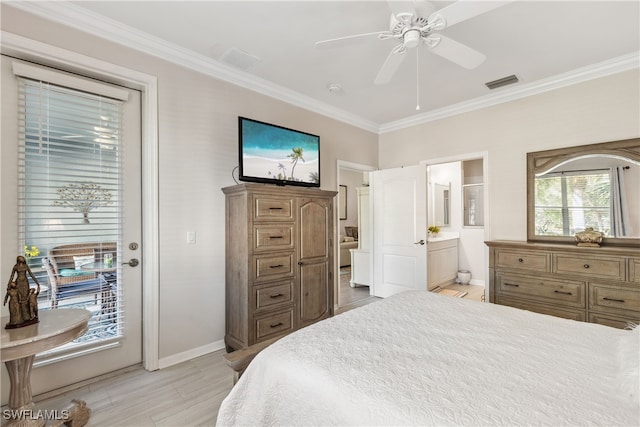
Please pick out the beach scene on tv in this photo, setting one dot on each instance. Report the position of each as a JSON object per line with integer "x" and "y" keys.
{"x": 281, "y": 154}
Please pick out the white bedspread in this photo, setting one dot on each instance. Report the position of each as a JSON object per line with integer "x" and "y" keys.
{"x": 425, "y": 359}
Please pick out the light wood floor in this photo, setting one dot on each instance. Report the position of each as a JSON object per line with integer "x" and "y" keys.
{"x": 187, "y": 394}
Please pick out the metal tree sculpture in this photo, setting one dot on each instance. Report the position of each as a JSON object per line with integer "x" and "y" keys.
{"x": 83, "y": 198}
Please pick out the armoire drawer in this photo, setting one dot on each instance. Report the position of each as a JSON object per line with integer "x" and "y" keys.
{"x": 601, "y": 267}
{"x": 604, "y": 297}
{"x": 566, "y": 292}
{"x": 273, "y": 237}
{"x": 269, "y": 267}
{"x": 522, "y": 260}
{"x": 273, "y": 325}
{"x": 273, "y": 209}
{"x": 542, "y": 309}
{"x": 273, "y": 294}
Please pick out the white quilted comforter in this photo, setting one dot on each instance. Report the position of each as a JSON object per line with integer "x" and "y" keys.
{"x": 425, "y": 359}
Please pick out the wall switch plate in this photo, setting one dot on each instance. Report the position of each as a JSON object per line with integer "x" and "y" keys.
{"x": 191, "y": 237}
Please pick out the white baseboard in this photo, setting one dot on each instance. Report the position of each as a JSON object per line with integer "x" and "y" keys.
{"x": 174, "y": 359}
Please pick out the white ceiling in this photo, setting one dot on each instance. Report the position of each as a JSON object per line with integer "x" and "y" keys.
{"x": 541, "y": 42}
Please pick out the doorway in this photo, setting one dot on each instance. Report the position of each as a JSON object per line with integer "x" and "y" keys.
{"x": 466, "y": 213}
{"x": 56, "y": 231}
{"x": 352, "y": 183}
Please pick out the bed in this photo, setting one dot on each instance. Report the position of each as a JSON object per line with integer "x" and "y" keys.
{"x": 419, "y": 358}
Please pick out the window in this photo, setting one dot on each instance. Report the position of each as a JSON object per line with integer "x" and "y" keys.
{"x": 569, "y": 202}
{"x": 70, "y": 205}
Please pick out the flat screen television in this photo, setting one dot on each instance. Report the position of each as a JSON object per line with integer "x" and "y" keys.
{"x": 277, "y": 155}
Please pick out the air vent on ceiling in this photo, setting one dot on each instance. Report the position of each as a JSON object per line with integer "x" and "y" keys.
{"x": 502, "y": 82}
{"x": 239, "y": 59}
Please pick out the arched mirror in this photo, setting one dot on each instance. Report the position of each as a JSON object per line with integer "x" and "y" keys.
{"x": 591, "y": 186}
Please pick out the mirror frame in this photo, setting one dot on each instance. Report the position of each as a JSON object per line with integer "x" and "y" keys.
{"x": 541, "y": 161}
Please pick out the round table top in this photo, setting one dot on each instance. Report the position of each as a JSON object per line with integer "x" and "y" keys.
{"x": 56, "y": 327}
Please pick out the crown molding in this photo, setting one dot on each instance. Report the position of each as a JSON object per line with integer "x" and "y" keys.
{"x": 81, "y": 19}
{"x": 590, "y": 72}
{"x": 87, "y": 21}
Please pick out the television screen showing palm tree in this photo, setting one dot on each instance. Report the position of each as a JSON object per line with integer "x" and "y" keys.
{"x": 274, "y": 154}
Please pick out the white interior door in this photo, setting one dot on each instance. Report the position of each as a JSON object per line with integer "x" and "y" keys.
{"x": 399, "y": 199}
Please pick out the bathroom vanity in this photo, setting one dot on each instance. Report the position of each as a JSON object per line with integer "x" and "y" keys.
{"x": 442, "y": 260}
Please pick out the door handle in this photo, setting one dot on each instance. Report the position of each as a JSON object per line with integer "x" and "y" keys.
{"x": 133, "y": 262}
{"x": 421, "y": 242}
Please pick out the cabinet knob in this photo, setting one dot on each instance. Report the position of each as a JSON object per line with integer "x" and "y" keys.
{"x": 520, "y": 260}
{"x": 586, "y": 266}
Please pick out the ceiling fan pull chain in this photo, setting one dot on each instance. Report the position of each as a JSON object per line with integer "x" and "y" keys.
{"x": 417, "y": 79}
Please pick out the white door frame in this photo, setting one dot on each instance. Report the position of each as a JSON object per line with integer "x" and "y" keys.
{"x": 358, "y": 167}
{"x": 27, "y": 49}
{"x": 484, "y": 155}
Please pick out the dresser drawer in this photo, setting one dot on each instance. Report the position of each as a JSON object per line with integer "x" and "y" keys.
{"x": 272, "y": 295}
{"x": 273, "y": 238}
{"x": 542, "y": 309}
{"x": 620, "y": 322}
{"x": 612, "y": 297}
{"x": 269, "y": 267}
{"x": 522, "y": 260}
{"x": 601, "y": 267}
{"x": 634, "y": 270}
{"x": 273, "y": 325}
{"x": 566, "y": 292}
{"x": 273, "y": 209}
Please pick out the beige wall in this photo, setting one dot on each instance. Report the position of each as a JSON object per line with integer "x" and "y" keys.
{"x": 197, "y": 152}
{"x": 600, "y": 110}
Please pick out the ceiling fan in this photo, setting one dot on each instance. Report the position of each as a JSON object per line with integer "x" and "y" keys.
{"x": 417, "y": 22}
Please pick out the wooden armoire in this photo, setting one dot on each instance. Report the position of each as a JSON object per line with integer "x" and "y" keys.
{"x": 279, "y": 260}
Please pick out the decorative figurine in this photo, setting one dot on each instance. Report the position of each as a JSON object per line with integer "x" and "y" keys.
{"x": 23, "y": 304}
{"x": 589, "y": 237}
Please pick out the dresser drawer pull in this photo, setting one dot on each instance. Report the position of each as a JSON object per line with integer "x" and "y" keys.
{"x": 276, "y": 237}
{"x": 586, "y": 266}
{"x": 512, "y": 284}
{"x": 276, "y": 296}
{"x": 275, "y": 209}
{"x": 276, "y": 266}
{"x": 275, "y": 325}
{"x": 520, "y": 260}
{"x": 563, "y": 292}
{"x": 613, "y": 299}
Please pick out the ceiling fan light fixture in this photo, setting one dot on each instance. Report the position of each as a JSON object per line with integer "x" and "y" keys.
{"x": 411, "y": 38}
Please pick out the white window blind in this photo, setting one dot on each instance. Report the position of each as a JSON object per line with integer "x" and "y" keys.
{"x": 70, "y": 202}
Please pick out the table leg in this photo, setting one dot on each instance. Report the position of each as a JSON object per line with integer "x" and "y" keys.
{"x": 21, "y": 409}
{"x": 20, "y": 399}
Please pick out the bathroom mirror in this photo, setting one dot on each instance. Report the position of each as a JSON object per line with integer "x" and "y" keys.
{"x": 441, "y": 204}
{"x": 597, "y": 186}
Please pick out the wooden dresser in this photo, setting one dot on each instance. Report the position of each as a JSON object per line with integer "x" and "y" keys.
{"x": 279, "y": 261}
{"x": 598, "y": 285}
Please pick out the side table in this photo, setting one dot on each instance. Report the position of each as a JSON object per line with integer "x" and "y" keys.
{"x": 18, "y": 348}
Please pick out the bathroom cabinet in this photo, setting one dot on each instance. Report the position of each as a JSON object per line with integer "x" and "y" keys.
{"x": 442, "y": 261}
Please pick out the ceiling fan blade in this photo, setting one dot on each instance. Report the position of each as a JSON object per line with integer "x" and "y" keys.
{"x": 463, "y": 10}
{"x": 342, "y": 40}
{"x": 391, "y": 65}
{"x": 454, "y": 51}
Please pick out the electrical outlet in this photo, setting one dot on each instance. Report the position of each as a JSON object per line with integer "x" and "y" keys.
{"x": 191, "y": 237}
